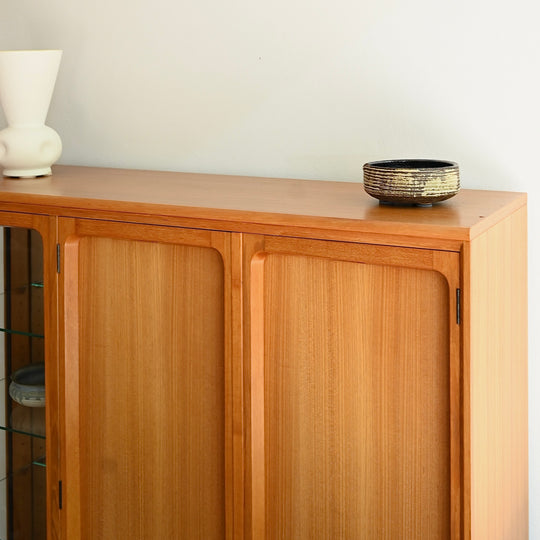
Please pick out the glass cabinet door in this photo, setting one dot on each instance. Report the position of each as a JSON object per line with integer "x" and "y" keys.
{"x": 22, "y": 403}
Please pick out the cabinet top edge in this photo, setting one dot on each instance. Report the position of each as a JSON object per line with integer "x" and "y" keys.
{"x": 247, "y": 200}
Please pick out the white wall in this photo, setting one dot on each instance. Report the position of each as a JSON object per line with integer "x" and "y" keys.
{"x": 301, "y": 88}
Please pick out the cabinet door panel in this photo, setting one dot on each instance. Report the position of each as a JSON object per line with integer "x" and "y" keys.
{"x": 28, "y": 428}
{"x": 150, "y": 392}
{"x": 350, "y": 398}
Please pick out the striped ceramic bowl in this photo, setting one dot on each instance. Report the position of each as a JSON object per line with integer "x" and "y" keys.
{"x": 411, "y": 181}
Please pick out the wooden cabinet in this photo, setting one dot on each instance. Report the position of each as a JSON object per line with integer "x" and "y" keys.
{"x": 272, "y": 359}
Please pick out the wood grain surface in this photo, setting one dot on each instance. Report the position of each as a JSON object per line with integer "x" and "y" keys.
{"x": 149, "y": 406}
{"x": 497, "y": 377}
{"x": 332, "y": 210}
{"x": 350, "y": 400}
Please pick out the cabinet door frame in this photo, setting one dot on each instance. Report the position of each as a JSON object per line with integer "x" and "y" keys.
{"x": 255, "y": 250}
{"x": 70, "y": 232}
{"x": 46, "y": 227}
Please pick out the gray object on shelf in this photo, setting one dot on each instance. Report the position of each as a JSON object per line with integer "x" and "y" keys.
{"x": 28, "y": 385}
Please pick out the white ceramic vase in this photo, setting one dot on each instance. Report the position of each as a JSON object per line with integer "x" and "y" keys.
{"x": 28, "y": 147}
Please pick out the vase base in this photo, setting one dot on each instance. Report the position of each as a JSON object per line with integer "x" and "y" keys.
{"x": 27, "y": 173}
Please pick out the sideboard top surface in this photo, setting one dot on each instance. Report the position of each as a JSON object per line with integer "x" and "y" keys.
{"x": 249, "y": 203}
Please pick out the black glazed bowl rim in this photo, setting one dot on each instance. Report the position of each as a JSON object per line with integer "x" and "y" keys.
{"x": 413, "y": 164}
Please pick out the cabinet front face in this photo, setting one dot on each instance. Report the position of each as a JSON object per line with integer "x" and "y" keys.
{"x": 351, "y": 393}
{"x": 145, "y": 384}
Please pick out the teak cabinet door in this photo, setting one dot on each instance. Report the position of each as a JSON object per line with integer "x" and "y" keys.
{"x": 144, "y": 341}
{"x": 353, "y": 391}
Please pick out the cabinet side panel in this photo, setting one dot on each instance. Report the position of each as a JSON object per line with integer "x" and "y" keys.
{"x": 356, "y": 392}
{"x": 498, "y": 381}
{"x": 151, "y": 397}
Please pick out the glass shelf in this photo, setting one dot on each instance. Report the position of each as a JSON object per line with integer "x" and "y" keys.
{"x": 32, "y": 293}
{"x": 21, "y": 333}
{"x": 36, "y": 466}
{"x": 12, "y": 430}
{"x": 29, "y": 422}
{"x": 24, "y": 420}
{"x": 22, "y": 289}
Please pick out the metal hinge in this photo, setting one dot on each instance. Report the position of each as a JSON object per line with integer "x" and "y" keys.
{"x": 57, "y": 258}
{"x": 458, "y": 306}
{"x": 60, "y": 494}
